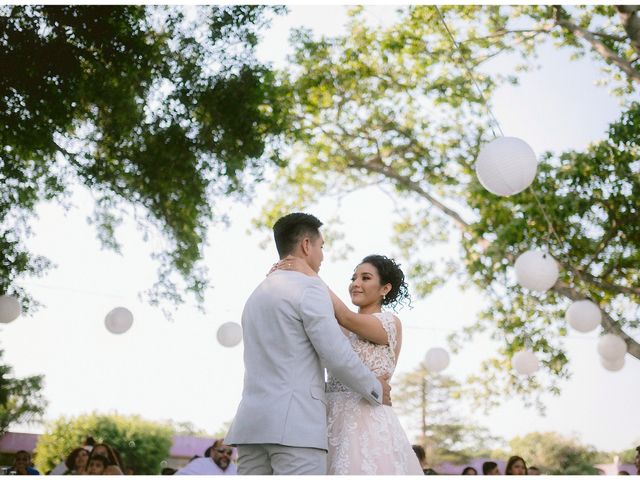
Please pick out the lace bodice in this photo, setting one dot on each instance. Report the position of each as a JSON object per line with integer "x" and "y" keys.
{"x": 381, "y": 359}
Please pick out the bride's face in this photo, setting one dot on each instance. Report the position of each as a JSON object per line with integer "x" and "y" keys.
{"x": 365, "y": 288}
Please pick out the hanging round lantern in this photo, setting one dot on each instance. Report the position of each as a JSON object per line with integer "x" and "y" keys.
{"x": 436, "y": 359}
{"x": 583, "y": 315}
{"x": 506, "y": 166}
{"x": 10, "y": 308}
{"x": 118, "y": 320}
{"x": 525, "y": 362}
{"x": 611, "y": 347}
{"x": 536, "y": 270}
{"x": 612, "y": 365}
{"x": 229, "y": 334}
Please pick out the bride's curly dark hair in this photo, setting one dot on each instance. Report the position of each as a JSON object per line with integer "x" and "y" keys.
{"x": 390, "y": 272}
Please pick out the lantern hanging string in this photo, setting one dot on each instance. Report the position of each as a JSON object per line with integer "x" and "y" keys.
{"x": 495, "y": 121}
{"x": 473, "y": 79}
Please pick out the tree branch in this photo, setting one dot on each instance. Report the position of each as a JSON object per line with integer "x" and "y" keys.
{"x": 503, "y": 32}
{"x": 376, "y": 165}
{"x": 608, "y": 36}
{"x": 604, "y": 242}
{"x": 631, "y": 23}
{"x": 71, "y": 157}
{"x": 608, "y": 323}
{"x": 379, "y": 167}
{"x": 607, "y": 285}
{"x": 562, "y": 19}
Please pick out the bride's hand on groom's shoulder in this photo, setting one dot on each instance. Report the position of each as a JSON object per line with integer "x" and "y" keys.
{"x": 274, "y": 267}
{"x": 294, "y": 264}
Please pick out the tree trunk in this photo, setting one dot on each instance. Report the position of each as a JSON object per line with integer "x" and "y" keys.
{"x": 563, "y": 19}
{"x": 631, "y": 23}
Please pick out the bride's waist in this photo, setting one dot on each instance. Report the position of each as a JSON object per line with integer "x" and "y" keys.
{"x": 336, "y": 386}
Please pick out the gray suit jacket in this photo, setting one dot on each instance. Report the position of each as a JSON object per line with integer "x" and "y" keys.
{"x": 290, "y": 333}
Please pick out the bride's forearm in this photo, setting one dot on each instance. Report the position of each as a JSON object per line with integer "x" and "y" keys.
{"x": 344, "y": 315}
{"x": 364, "y": 325}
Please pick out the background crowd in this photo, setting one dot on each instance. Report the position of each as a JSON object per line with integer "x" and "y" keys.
{"x": 516, "y": 465}
{"x": 93, "y": 458}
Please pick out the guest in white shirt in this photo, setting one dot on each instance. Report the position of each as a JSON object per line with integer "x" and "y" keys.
{"x": 217, "y": 463}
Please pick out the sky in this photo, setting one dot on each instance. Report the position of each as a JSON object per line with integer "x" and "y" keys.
{"x": 162, "y": 369}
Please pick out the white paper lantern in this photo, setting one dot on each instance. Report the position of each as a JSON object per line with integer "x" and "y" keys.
{"x": 118, "y": 320}
{"x": 229, "y": 334}
{"x": 525, "y": 362}
{"x": 611, "y": 347}
{"x": 436, "y": 359}
{"x": 10, "y": 308}
{"x": 506, "y": 166}
{"x": 612, "y": 365}
{"x": 536, "y": 270}
{"x": 584, "y": 315}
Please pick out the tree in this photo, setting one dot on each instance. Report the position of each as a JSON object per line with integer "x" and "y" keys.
{"x": 221, "y": 432}
{"x": 21, "y": 400}
{"x": 397, "y": 107}
{"x": 158, "y": 110}
{"x": 610, "y": 33}
{"x": 187, "y": 429}
{"x": 142, "y": 444}
{"x": 626, "y": 456}
{"x": 554, "y": 454}
{"x": 426, "y": 399}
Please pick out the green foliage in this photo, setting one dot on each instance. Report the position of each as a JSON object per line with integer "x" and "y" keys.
{"x": 221, "y": 432}
{"x": 142, "y": 444}
{"x": 21, "y": 400}
{"x": 627, "y": 456}
{"x": 554, "y": 454}
{"x": 158, "y": 108}
{"x": 426, "y": 399}
{"x": 187, "y": 429}
{"x": 395, "y": 106}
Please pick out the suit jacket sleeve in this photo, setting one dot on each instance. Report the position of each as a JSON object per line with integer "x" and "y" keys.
{"x": 334, "y": 349}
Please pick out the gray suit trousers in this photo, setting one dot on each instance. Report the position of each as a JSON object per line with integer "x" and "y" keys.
{"x": 274, "y": 459}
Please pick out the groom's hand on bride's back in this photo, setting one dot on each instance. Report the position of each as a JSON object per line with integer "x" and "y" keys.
{"x": 386, "y": 390}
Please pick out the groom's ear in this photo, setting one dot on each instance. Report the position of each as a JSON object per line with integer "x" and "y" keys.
{"x": 306, "y": 245}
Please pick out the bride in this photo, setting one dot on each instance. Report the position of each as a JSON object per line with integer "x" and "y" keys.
{"x": 364, "y": 439}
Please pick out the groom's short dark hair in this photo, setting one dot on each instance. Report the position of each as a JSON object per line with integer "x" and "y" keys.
{"x": 290, "y": 229}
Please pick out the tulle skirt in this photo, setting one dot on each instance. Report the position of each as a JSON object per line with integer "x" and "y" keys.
{"x": 366, "y": 439}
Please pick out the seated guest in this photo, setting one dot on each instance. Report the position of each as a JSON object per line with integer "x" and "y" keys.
{"x": 63, "y": 468}
{"x": 22, "y": 464}
{"x": 114, "y": 464}
{"x": 217, "y": 463}
{"x": 97, "y": 465}
{"x": 533, "y": 470}
{"x": 516, "y": 466}
{"x": 490, "y": 468}
{"x": 422, "y": 456}
{"x": 469, "y": 471}
{"x": 77, "y": 461}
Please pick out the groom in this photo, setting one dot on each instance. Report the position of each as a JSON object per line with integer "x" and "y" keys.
{"x": 290, "y": 333}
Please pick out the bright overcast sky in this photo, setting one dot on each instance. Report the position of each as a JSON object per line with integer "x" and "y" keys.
{"x": 176, "y": 370}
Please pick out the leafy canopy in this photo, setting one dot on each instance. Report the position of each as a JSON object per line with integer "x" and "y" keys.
{"x": 158, "y": 110}
{"x": 21, "y": 400}
{"x": 396, "y": 106}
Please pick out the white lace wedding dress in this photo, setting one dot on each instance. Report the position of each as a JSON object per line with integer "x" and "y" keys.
{"x": 366, "y": 439}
